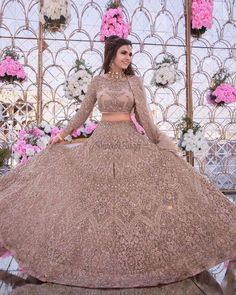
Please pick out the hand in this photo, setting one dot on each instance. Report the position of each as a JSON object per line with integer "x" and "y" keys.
{"x": 55, "y": 140}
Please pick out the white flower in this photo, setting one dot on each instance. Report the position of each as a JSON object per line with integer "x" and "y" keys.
{"x": 43, "y": 141}
{"x": 30, "y": 152}
{"x": 16, "y": 156}
{"x": 54, "y": 10}
{"x": 84, "y": 88}
{"x": 68, "y": 138}
{"x": 194, "y": 142}
{"x": 43, "y": 124}
{"x": 76, "y": 85}
{"x": 165, "y": 74}
{"x": 47, "y": 128}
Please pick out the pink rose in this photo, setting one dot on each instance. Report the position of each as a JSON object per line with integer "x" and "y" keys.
{"x": 90, "y": 128}
{"x": 76, "y": 133}
{"x": 54, "y": 131}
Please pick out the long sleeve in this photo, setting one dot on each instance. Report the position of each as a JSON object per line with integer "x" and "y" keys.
{"x": 143, "y": 117}
{"x": 142, "y": 112}
{"x": 85, "y": 109}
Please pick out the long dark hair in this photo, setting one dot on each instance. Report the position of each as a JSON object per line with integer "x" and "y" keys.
{"x": 112, "y": 44}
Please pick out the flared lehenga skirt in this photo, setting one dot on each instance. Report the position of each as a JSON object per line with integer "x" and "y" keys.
{"x": 114, "y": 212}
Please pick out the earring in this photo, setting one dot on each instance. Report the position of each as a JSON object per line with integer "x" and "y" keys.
{"x": 111, "y": 64}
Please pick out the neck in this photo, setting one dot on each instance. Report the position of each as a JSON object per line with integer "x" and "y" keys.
{"x": 117, "y": 71}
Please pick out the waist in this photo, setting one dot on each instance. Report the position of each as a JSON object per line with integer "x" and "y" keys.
{"x": 116, "y": 116}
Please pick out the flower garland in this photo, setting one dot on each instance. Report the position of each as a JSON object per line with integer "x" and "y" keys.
{"x": 221, "y": 93}
{"x": 10, "y": 69}
{"x": 33, "y": 139}
{"x": 165, "y": 73}
{"x": 113, "y": 22}
{"x": 202, "y": 12}
{"x": 76, "y": 85}
{"x": 192, "y": 138}
{"x": 55, "y": 14}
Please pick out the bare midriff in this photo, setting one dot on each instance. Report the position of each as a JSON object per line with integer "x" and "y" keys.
{"x": 116, "y": 116}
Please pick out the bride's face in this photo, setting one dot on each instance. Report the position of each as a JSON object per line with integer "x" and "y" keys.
{"x": 123, "y": 58}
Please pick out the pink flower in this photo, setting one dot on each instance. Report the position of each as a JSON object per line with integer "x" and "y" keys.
{"x": 11, "y": 67}
{"x": 89, "y": 128}
{"x": 54, "y": 131}
{"x": 37, "y": 132}
{"x": 76, "y": 133}
{"x": 27, "y": 143}
{"x": 22, "y": 133}
{"x": 224, "y": 93}
{"x": 36, "y": 148}
{"x": 24, "y": 160}
{"x": 21, "y": 148}
{"x": 113, "y": 23}
{"x": 202, "y": 13}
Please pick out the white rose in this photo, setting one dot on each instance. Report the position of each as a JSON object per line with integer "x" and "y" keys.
{"x": 16, "y": 156}
{"x": 30, "y": 152}
{"x": 47, "y": 129}
{"x": 84, "y": 88}
{"x": 43, "y": 141}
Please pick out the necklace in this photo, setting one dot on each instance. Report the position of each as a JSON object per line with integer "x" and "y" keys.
{"x": 116, "y": 75}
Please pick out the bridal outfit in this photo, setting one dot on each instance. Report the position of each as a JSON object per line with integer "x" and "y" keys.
{"x": 121, "y": 210}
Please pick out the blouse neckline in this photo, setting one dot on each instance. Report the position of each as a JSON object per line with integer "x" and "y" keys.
{"x": 113, "y": 80}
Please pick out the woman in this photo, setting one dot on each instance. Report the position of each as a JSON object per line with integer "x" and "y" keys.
{"x": 121, "y": 210}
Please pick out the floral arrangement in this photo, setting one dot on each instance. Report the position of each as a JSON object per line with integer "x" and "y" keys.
{"x": 85, "y": 131}
{"x": 202, "y": 11}
{"x": 191, "y": 138}
{"x": 33, "y": 139}
{"x": 221, "y": 93}
{"x": 55, "y": 14}
{"x": 10, "y": 69}
{"x": 113, "y": 22}
{"x": 76, "y": 85}
{"x": 165, "y": 73}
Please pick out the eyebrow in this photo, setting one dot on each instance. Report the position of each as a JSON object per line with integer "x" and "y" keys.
{"x": 127, "y": 51}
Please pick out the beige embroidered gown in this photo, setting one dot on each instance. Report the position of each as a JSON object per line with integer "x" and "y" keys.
{"x": 121, "y": 210}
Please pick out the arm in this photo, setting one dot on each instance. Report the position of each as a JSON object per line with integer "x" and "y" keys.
{"x": 143, "y": 117}
{"x": 85, "y": 109}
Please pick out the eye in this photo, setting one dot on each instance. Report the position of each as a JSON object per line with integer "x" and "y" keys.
{"x": 125, "y": 52}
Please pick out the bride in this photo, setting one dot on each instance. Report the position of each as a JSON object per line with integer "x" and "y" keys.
{"x": 122, "y": 209}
